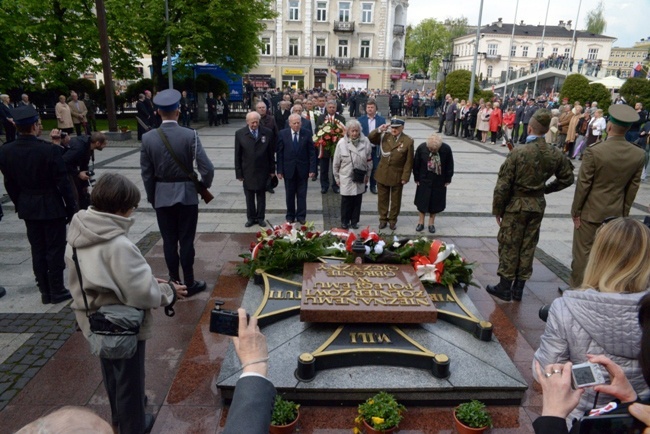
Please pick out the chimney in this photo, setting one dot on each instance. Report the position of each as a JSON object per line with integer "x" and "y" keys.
{"x": 521, "y": 23}
{"x": 500, "y": 23}
{"x": 561, "y": 23}
{"x": 568, "y": 25}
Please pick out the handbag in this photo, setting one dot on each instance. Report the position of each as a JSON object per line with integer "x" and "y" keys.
{"x": 114, "y": 328}
{"x": 358, "y": 176}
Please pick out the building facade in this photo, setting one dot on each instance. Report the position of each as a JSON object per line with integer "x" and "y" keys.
{"x": 333, "y": 44}
{"x": 623, "y": 60}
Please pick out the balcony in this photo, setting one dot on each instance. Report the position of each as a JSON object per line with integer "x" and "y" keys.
{"x": 341, "y": 62}
{"x": 495, "y": 57}
{"x": 344, "y": 26}
{"x": 396, "y": 63}
{"x": 398, "y": 30}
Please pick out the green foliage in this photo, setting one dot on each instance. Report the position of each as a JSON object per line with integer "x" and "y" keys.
{"x": 135, "y": 89}
{"x": 209, "y": 83}
{"x": 381, "y": 412}
{"x": 635, "y": 90}
{"x": 426, "y": 41}
{"x": 284, "y": 412}
{"x": 456, "y": 27}
{"x": 598, "y": 92}
{"x": 595, "y": 20}
{"x": 457, "y": 84}
{"x": 473, "y": 414}
{"x": 576, "y": 88}
{"x": 83, "y": 86}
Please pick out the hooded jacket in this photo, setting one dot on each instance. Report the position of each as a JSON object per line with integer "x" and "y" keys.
{"x": 593, "y": 322}
{"x": 112, "y": 267}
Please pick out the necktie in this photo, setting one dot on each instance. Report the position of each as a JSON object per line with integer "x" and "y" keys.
{"x": 295, "y": 141}
{"x": 255, "y": 134}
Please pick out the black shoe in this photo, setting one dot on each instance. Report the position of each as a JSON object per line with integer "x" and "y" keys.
{"x": 354, "y": 225}
{"x": 249, "y": 223}
{"x": 373, "y": 189}
{"x": 60, "y": 297}
{"x": 393, "y": 226}
{"x": 432, "y": 229}
{"x": 261, "y": 222}
{"x": 501, "y": 290}
{"x": 270, "y": 190}
{"x": 3, "y": 292}
{"x": 336, "y": 190}
{"x": 149, "y": 420}
{"x": 419, "y": 227}
{"x": 302, "y": 222}
{"x": 46, "y": 299}
{"x": 383, "y": 225}
{"x": 323, "y": 190}
{"x": 314, "y": 178}
{"x": 518, "y": 289}
{"x": 344, "y": 226}
{"x": 195, "y": 287}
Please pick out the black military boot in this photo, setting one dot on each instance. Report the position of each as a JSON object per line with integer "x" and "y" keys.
{"x": 501, "y": 290}
{"x": 44, "y": 288}
{"x": 518, "y": 289}
{"x": 58, "y": 291}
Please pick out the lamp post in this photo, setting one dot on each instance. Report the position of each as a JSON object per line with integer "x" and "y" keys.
{"x": 446, "y": 66}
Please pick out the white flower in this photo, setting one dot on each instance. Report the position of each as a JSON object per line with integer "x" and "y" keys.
{"x": 379, "y": 249}
{"x": 367, "y": 250}
{"x": 327, "y": 128}
{"x": 396, "y": 244}
{"x": 338, "y": 246}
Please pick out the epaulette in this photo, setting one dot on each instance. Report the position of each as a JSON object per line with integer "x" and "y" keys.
{"x": 595, "y": 143}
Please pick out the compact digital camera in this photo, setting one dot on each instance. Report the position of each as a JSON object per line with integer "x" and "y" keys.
{"x": 224, "y": 322}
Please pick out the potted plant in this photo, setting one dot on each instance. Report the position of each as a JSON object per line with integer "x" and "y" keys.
{"x": 285, "y": 416}
{"x": 379, "y": 414}
{"x": 123, "y": 128}
{"x": 472, "y": 417}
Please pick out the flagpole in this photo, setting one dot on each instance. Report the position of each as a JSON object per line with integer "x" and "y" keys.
{"x": 478, "y": 38}
{"x": 548, "y": 6}
{"x": 512, "y": 38}
{"x": 573, "y": 39}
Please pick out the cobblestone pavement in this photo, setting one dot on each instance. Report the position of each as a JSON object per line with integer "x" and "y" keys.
{"x": 31, "y": 333}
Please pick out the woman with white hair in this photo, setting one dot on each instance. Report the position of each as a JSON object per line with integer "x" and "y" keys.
{"x": 433, "y": 167}
{"x": 551, "y": 135}
{"x": 352, "y": 168}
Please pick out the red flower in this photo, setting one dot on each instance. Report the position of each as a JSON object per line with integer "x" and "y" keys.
{"x": 309, "y": 234}
{"x": 269, "y": 232}
{"x": 365, "y": 232}
{"x": 258, "y": 235}
{"x": 327, "y": 137}
{"x": 253, "y": 244}
{"x": 246, "y": 260}
{"x": 270, "y": 243}
{"x": 303, "y": 228}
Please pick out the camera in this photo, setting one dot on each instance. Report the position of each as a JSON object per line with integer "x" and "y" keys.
{"x": 63, "y": 135}
{"x": 224, "y": 322}
{"x": 91, "y": 180}
{"x": 622, "y": 423}
{"x": 585, "y": 375}
{"x": 543, "y": 312}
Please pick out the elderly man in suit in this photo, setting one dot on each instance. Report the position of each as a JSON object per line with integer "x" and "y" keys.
{"x": 330, "y": 116}
{"x": 296, "y": 164}
{"x": 78, "y": 111}
{"x": 369, "y": 122}
{"x": 450, "y": 116}
{"x": 254, "y": 164}
{"x": 167, "y": 159}
{"x": 304, "y": 123}
{"x": 519, "y": 115}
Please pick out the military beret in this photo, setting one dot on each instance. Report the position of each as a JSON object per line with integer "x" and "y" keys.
{"x": 622, "y": 114}
{"x": 543, "y": 117}
{"x": 397, "y": 122}
{"x": 167, "y": 100}
{"x": 24, "y": 115}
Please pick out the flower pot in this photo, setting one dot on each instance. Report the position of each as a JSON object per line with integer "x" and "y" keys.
{"x": 124, "y": 129}
{"x": 371, "y": 430}
{"x": 464, "y": 429}
{"x": 284, "y": 429}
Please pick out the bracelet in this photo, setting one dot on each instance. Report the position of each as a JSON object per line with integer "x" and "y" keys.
{"x": 254, "y": 362}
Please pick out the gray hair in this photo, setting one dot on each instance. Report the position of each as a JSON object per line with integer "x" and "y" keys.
{"x": 331, "y": 102}
{"x": 353, "y": 123}
{"x": 434, "y": 139}
{"x": 295, "y": 116}
{"x": 555, "y": 112}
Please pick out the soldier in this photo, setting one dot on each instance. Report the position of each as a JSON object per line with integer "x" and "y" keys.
{"x": 36, "y": 179}
{"x": 394, "y": 169}
{"x": 607, "y": 184}
{"x": 519, "y": 204}
{"x": 170, "y": 190}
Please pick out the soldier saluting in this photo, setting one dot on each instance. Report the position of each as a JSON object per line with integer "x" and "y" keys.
{"x": 519, "y": 204}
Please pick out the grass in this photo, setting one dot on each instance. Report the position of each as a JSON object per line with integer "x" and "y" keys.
{"x": 102, "y": 124}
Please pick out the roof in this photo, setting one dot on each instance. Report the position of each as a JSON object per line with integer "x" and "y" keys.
{"x": 536, "y": 31}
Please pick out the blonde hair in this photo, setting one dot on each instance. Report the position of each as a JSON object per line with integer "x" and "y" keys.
{"x": 619, "y": 258}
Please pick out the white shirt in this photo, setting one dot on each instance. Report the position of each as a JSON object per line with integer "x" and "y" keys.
{"x": 371, "y": 124}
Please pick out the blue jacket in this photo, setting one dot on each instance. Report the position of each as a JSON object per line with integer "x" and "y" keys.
{"x": 363, "y": 120}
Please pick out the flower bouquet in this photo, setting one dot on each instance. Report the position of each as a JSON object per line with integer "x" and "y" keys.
{"x": 381, "y": 413}
{"x": 328, "y": 136}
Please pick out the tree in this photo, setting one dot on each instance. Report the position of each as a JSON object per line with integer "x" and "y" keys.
{"x": 456, "y": 27}
{"x": 595, "y": 20}
{"x": 425, "y": 41}
{"x": 636, "y": 90}
{"x": 598, "y": 92}
{"x": 575, "y": 88}
{"x": 457, "y": 85}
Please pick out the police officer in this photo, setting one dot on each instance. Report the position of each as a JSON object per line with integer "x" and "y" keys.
{"x": 609, "y": 178}
{"x": 77, "y": 160}
{"x": 394, "y": 169}
{"x": 36, "y": 179}
{"x": 169, "y": 188}
{"x": 519, "y": 204}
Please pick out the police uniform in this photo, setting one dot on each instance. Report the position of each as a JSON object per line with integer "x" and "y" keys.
{"x": 171, "y": 192}
{"x": 393, "y": 171}
{"x": 37, "y": 182}
{"x": 607, "y": 184}
{"x": 519, "y": 201}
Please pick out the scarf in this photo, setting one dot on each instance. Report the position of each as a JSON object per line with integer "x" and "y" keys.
{"x": 434, "y": 164}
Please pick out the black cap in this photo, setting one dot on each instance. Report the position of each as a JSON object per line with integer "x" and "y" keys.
{"x": 167, "y": 100}
{"x": 24, "y": 115}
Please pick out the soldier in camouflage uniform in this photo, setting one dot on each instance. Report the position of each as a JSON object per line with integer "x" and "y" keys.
{"x": 519, "y": 204}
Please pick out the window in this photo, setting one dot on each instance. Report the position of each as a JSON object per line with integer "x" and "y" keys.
{"x": 320, "y": 47}
{"x": 343, "y": 48}
{"x": 567, "y": 51}
{"x": 365, "y": 49}
{"x": 489, "y": 71}
{"x": 294, "y": 10}
{"x": 513, "y": 51}
{"x": 321, "y": 11}
{"x": 266, "y": 46}
{"x": 492, "y": 49}
{"x": 540, "y": 51}
{"x": 344, "y": 11}
{"x": 593, "y": 53}
{"x": 293, "y": 46}
{"x": 524, "y": 51}
{"x": 366, "y": 12}
{"x": 555, "y": 50}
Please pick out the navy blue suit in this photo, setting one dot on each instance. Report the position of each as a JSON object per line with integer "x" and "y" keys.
{"x": 379, "y": 120}
{"x": 304, "y": 123}
{"x": 295, "y": 163}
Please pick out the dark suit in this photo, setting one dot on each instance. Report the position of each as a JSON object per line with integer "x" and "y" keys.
{"x": 172, "y": 194}
{"x": 281, "y": 118}
{"x": 295, "y": 163}
{"x": 77, "y": 159}
{"x": 519, "y": 115}
{"x": 304, "y": 123}
{"x": 212, "y": 110}
{"x": 326, "y": 159}
{"x": 10, "y": 128}
{"x": 143, "y": 116}
{"x": 37, "y": 182}
{"x": 529, "y": 111}
{"x": 379, "y": 120}
{"x": 251, "y": 407}
{"x": 254, "y": 162}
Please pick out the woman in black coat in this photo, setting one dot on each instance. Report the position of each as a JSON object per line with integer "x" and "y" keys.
{"x": 433, "y": 167}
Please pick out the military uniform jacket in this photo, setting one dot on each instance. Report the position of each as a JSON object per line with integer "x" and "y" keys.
{"x": 608, "y": 180}
{"x": 165, "y": 183}
{"x": 522, "y": 178}
{"x": 36, "y": 179}
{"x": 396, "y": 157}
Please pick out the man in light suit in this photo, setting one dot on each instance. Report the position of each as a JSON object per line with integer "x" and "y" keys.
{"x": 296, "y": 164}
{"x": 78, "y": 111}
{"x": 254, "y": 164}
{"x": 369, "y": 122}
{"x": 169, "y": 188}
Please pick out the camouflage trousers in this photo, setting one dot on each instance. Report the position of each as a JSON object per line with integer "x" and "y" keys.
{"x": 518, "y": 237}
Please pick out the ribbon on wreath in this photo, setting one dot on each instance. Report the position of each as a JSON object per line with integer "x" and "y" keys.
{"x": 430, "y": 268}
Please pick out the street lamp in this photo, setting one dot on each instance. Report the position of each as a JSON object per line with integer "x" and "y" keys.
{"x": 446, "y": 66}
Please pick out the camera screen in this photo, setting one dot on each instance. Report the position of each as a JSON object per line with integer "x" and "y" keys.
{"x": 583, "y": 375}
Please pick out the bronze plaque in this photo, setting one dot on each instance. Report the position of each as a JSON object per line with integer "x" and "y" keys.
{"x": 365, "y": 293}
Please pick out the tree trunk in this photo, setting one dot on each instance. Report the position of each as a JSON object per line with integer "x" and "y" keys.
{"x": 157, "y": 75}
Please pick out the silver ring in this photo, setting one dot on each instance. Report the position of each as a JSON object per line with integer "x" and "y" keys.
{"x": 557, "y": 371}
{"x": 547, "y": 374}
